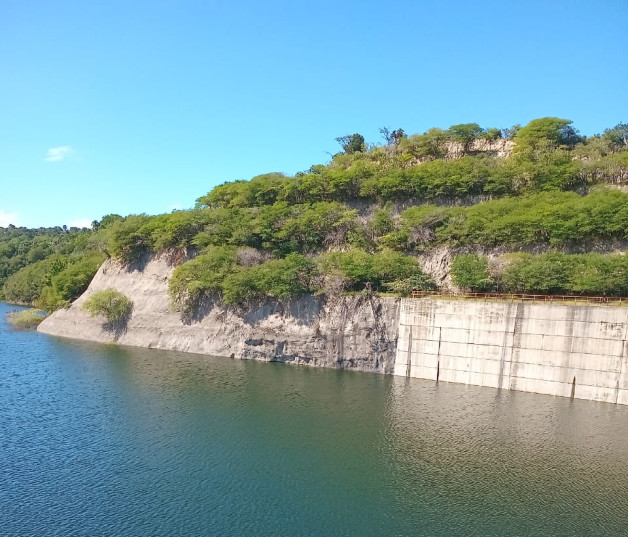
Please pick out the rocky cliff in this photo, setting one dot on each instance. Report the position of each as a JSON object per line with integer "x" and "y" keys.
{"x": 358, "y": 332}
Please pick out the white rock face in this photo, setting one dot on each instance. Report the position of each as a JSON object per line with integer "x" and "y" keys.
{"x": 352, "y": 332}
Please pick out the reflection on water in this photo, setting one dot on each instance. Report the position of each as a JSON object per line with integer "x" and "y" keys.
{"x": 509, "y": 463}
{"x": 106, "y": 440}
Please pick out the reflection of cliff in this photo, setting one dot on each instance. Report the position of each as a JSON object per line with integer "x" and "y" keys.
{"x": 351, "y": 332}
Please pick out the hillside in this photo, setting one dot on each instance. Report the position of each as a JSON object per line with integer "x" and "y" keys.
{"x": 532, "y": 209}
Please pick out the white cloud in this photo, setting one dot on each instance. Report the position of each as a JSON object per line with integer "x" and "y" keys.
{"x": 8, "y": 218}
{"x": 84, "y": 222}
{"x": 55, "y": 154}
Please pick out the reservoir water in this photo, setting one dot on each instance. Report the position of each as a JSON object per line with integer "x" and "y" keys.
{"x": 101, "y": 440}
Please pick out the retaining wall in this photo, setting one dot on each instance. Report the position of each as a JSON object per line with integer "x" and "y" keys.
{"x": 571, "y": 351}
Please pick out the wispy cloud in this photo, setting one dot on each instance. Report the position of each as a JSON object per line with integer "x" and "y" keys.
{"x": 8, "y": 218}
{"x": 55, "y": 154}
{"x": 81, "y": 222}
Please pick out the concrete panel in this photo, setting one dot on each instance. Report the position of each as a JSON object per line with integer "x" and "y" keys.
{"x": 486, "y": 352}
{"x": 589, "y": 345}
{"x": 400, "y": 370}
{"x": 421, "y": 359}
{"x": 594, "y": 393}
{"x": 622, "y": 381}
{"x": 456, "y": 363}
{"x": 425, "y": 346}
{"x": 403, "y": 338}
{"x": 423, "y": 372}
{"x": 540, "y": 386}
{"x": 584, "y": 345}
{"x": 622, "y": 397}
{"x": 540, "y": 372}
{"x": 573, "y": 360}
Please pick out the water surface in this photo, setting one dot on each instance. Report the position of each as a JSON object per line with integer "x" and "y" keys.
{"x": 104, "y": 440}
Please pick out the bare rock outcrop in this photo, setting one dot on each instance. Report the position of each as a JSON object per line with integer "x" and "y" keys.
{"x": 353, "y": 332}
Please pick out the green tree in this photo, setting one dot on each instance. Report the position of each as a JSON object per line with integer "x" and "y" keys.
{"x": 617, "y": 137}
{"x": 510, "y": 132}
{"x": 546, "y": 132}
{"x": 129, "y": 238}
{"x": 277, "y": 278}
{"x": 394, "y": 137}
{"x": 427, "y": 145}
{"x": 352, "y": 143}
{"x": 465, "y": 133}
{"x": 491, "y": 134}
{"x": 543, "y": 274}
{"x": 204, "y": 275}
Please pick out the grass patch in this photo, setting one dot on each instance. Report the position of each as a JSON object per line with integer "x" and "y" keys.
{"x": 26, "y": 319}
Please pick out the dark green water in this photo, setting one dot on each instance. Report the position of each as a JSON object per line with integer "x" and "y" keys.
{"x": 102, "y": 440}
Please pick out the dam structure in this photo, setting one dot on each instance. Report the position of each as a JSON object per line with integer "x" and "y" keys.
{"x": 565, "y": 350}
{"x": 576, "y": 351}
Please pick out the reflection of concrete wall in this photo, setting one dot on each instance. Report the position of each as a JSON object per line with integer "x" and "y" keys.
{"x": 519, "y": 346}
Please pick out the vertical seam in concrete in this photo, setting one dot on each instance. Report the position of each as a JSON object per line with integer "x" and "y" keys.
{"x": 516, "y": 347}
{"x": 566, "y": 362}
{"x": 440, "y": 332}
{"x": 622, "y": 358}
{"x": 500, "y": 379}
{"x": 409, "y": 364}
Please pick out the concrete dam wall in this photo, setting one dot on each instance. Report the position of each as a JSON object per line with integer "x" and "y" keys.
{"x": 570, "y": 351}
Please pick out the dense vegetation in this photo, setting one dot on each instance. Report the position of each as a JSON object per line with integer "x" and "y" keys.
{"x": 49, "y": 266}
{"x": 549, "y": 273}
{"x": 363, "y": 218}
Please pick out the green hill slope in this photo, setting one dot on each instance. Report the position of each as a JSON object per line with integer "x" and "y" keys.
{"x": 370, "y": 217}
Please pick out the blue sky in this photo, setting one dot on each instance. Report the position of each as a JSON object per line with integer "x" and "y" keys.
{"x": 130, "y": 107}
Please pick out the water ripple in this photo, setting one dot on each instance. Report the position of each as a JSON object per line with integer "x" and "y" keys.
{"x": 110, "y": 441}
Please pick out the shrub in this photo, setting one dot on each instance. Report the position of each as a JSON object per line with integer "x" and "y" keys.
{"x": 277, "y": 278}
{"x": 111, "y": 304}
{"x": 470, "y": 272}
{"x": 25, "y": 286}
{"x": 128, "y": 239}
{"x": 558, "y": 273}
{"x": 26, "y": 318}
{"x": 405, "y": 286}
{"x": 201, "y": 276}
{"x": 388, "y": 269}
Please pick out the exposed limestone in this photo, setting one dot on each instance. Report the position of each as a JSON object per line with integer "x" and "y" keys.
{"x": 358, "y": 332}
{"x": 498, "y": 148}
{"x": 437, "y": 263}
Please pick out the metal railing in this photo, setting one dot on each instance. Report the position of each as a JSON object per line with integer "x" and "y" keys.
{"x": 522, "y": 297}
